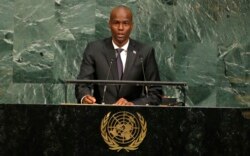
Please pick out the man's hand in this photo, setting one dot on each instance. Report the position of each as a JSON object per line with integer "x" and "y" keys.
{"x": 88, "y": 99}
{"x": 123, "y": 102}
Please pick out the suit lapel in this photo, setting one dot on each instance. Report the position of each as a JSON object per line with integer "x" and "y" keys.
{"x": 131, "y": 57}
{"x": 109, "y": 53}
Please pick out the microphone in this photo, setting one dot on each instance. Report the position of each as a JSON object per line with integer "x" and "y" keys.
{"x": 144, "y": 77}
{"x": 105, "y": 86}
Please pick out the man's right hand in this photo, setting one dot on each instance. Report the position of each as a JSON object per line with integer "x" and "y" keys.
{"x": 88, "y": 99}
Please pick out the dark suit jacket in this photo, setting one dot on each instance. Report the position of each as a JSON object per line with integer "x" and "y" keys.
{"x": 96, "y": 63}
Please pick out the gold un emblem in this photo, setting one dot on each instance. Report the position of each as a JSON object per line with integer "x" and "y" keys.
{"x": 123, "y": 130}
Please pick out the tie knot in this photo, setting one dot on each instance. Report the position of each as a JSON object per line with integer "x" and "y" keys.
{"x": 119, "y": 50}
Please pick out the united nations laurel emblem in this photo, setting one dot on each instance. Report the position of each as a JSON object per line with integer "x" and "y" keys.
{"x": 123, "y": 130}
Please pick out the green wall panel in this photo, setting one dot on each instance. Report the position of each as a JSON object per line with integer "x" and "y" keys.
{"x": 204, "y": 43}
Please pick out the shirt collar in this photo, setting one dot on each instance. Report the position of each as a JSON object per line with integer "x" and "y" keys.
{"x": 125, "y": 46}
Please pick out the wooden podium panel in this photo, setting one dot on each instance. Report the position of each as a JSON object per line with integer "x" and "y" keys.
{"x": 112, "y": 130}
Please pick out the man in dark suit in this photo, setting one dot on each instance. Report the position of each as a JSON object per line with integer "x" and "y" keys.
{"x": 127, "y": 64}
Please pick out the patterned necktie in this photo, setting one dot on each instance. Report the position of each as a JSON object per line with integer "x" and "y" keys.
{"x": 119, "y": 63}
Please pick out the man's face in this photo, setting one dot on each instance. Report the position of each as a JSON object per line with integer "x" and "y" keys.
{"x": 121, "y": 25}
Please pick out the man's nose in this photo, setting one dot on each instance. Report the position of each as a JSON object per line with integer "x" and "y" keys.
{"x": 120, "y": 27}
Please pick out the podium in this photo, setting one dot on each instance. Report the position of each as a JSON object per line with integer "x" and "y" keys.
{"x": 74, "y": 129}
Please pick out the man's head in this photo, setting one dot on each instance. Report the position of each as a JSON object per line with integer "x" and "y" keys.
{"x": 121, "y": 24}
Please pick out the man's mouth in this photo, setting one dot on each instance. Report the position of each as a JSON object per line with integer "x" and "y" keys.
{"x": 120, "y": 36}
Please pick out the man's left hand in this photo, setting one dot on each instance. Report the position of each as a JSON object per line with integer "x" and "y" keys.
{"x": 123, "y": 102}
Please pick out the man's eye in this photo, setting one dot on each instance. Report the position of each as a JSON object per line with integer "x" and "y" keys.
{"x": 126, "y": 23}
{"x": 115, "y": 22}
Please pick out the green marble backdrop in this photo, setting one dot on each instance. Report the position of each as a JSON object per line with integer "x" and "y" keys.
{"x": 205, "y": 43}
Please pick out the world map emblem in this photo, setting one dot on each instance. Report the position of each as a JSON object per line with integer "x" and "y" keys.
{"x": 123, "y": 130}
